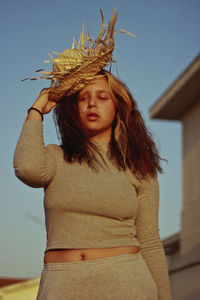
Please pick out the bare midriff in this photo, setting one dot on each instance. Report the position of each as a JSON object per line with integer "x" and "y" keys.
{"x": 70, "y": 255}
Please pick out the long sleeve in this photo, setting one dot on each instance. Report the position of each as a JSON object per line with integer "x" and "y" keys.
{"x": 33, "y": 163}
{"x": 148, "y": 235}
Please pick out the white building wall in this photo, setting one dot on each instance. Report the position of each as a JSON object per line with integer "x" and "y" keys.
{"x": 190, "y": 233}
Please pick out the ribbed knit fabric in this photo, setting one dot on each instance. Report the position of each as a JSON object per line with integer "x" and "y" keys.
{"x": 85, "y": 208}
{"x": 121, "y": 277}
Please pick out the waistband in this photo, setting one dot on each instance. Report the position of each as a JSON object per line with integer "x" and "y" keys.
{"x": 100, "y": 261}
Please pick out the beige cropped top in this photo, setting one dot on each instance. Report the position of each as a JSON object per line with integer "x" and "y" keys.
{"x": 85, "y": 208}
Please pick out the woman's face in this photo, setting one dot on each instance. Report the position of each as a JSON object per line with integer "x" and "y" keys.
{"x": 97, "y": 109}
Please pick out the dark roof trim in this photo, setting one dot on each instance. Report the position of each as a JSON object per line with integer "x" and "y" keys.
{"x": 181, "y": 95}
{"x": 171, "y": 244}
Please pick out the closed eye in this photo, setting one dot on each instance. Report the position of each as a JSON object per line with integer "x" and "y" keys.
{"x": 83, "y": 98}
{"x": 102, "y": 97}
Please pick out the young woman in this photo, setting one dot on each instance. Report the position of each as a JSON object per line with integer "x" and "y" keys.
{"x": 101, "y": 195}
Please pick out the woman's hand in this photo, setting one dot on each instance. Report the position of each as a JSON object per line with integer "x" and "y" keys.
{"x": 43, "y": 104}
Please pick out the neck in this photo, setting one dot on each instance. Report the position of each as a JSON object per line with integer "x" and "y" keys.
{"x": 102, "y": 137}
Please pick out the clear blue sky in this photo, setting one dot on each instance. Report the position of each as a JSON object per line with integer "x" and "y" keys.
{"x": 167, "y": 40}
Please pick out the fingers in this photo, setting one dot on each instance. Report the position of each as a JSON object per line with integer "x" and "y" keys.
{"x": 45, "y": 91}
{"x": 53, "y": 103}
{"x": 44, "y": 102}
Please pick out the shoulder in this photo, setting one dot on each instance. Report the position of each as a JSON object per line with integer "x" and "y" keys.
{"x": 149, "y": 183}
{"x": 55, "y": 149}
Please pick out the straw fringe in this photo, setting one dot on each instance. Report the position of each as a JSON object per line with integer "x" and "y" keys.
{"x": 75, "y": 67}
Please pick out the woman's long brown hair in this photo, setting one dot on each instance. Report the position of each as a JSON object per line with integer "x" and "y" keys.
{"x": 131, "y": 144}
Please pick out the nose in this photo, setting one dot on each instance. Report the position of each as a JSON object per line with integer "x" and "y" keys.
{"x": 92, "y": 101}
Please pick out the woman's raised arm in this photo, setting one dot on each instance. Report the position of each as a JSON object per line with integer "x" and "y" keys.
{"x": 34, "y": 164}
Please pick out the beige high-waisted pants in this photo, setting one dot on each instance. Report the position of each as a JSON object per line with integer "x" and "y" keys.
{"x": 122, "y": 277}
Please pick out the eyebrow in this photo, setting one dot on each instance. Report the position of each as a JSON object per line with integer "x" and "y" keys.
{"x": 98, "y": 91}
{"x": 103, "y": 91}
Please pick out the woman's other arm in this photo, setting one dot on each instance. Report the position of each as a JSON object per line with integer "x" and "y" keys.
{"x": 148, "y": 235}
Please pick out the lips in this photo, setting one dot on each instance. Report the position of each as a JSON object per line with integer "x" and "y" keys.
{"x": 92, "y": 116}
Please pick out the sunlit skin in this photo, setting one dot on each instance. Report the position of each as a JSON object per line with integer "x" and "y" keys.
{"x": 97, "y": 110}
